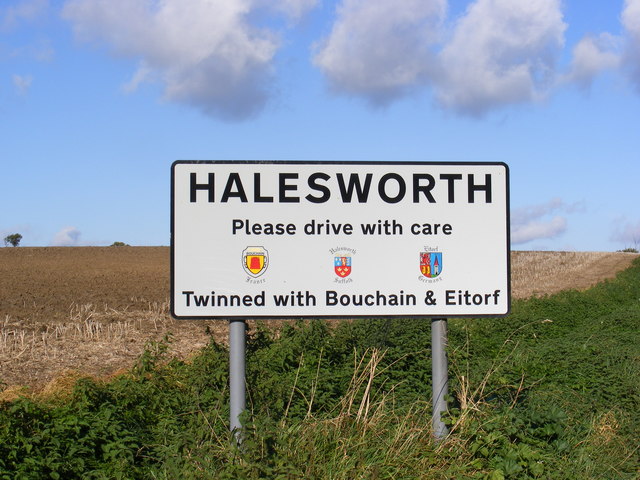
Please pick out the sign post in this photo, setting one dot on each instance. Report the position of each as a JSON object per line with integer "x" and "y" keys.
{"x": 237, "y": 397}
{"x": 339, "y": 239}
{"x": 439, "y": 375}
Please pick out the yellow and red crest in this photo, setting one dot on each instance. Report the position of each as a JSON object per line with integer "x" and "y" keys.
{"x": 255, "y": 260}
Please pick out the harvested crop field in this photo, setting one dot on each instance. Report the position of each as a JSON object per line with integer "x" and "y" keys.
{"x": 67, "y": 312}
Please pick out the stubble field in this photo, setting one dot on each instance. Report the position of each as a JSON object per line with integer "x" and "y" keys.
{"x": 89, "y": 311}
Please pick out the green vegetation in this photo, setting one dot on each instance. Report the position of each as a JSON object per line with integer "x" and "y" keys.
{"x": 13, "y": 240}
{"x": 552, "y": 392}
{"x": 119, "y": 244}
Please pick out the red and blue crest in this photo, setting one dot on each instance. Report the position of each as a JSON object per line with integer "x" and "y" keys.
{"x": 342, "y": 266}
{"x": 431, "y": 264}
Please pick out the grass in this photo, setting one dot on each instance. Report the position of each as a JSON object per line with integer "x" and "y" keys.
{"x": 551, "y": 391}
{"x": 96, "y": 339}
{"x": 49, "y": 341}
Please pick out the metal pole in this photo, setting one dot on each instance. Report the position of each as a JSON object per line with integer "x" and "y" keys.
{"x": 237, "y": 401}
{"x": 439, "y": 375}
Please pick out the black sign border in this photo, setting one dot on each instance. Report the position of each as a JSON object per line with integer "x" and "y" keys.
{"x": 333, "y": 162}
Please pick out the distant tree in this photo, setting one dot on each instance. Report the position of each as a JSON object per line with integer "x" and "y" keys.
{"x": 120, "y": 244}
{"x": 13, "y": 240}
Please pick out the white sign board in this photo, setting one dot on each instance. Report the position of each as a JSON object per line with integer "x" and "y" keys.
{"x": 327, "y": 239}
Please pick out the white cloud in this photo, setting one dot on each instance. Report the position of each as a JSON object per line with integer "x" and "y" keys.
{"x": 207, "y": 55}
{"x": 499, "y": 52}
{"x": 631, "y": 16}
{"x": 382, "y": 49}
{"x": 67, "y": 237}
{"x": 535, "y": 222}
{"x": 631, "y": 23}
{"x": 627, "y": 233}
{"x": 502, "y": 52}
{"x": 140, "y": 76}
{"x": 22, "y": 11}
{"x": 218, "y": 55}
{"x": 22, "y": 83}
{"x": 20, "y": 16}
{"x": 295, "y": 9}
{"x": 536, "y": 230}
{"x": 591, "y": 56}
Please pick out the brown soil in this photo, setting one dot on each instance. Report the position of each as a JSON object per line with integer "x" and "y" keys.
{"x": 69, "y": 312}
{"x": 44, "y": 284}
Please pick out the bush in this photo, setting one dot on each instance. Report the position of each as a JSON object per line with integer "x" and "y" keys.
{"x": 552, "y": 391}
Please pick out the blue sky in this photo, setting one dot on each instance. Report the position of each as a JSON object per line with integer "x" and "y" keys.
{"x": 99, "y": 97}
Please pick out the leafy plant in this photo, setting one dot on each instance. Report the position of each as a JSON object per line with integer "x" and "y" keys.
{"x": 13, "y": 240}
{"x": 119, "y": 244}
{"x": 552, "y": 391}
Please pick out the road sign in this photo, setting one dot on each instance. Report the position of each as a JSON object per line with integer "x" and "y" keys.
{"x": 347, "y": 239}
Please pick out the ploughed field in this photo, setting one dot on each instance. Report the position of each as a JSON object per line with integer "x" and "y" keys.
{"x": 73, "y": 311}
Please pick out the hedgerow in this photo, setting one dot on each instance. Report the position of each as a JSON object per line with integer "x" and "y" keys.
{"x": 551, "y": 391}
